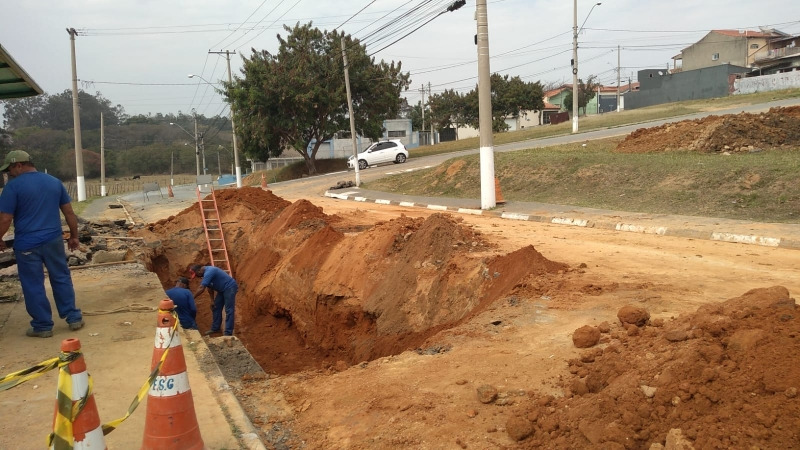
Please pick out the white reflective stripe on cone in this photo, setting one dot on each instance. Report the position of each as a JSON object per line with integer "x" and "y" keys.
{"x": 167, "y": 386}
{"x": 93, "y": 441}
{"x": 162, "y": 338}
{"x": 80, "y": 383}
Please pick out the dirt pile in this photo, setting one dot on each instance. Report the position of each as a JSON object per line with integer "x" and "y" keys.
{"x": 743, "y": 132}
{"x": 726, "y": 376}
{"x": 318, "y": 293}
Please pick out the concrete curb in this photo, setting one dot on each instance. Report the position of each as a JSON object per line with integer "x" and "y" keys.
{"x": 247, "y": 434}
{"x": 720, "y": 235}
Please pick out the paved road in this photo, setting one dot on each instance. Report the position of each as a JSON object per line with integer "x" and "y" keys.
{"x": 727, "y": 230}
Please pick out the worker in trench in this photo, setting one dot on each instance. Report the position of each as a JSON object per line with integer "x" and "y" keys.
{"x": 182, "y": 297}
{"x": 222, "y": 288}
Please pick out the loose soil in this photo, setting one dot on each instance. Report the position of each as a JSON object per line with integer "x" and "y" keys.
{"x": 743, "y": 132}
{"x": 376, "y": 329}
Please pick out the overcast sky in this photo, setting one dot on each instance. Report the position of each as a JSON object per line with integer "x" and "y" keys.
{"x": 138, "y": 53}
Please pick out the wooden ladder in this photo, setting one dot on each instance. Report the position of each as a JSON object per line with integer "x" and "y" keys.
{"x": 212, "y": 224}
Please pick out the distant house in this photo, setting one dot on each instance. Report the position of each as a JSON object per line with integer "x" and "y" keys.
{"x": 719, "y": 47}
{"x": 605, "y": 100}
{"x": 782, "y": 55}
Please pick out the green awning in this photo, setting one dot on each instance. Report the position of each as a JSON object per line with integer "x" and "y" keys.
{"x": 14, "y": 81}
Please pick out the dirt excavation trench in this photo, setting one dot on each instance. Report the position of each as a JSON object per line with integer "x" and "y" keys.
{"x": 315, "y": 294}
{"x": 378, "y": 330}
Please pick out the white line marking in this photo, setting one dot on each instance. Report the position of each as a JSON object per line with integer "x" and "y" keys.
{"x": 515, "y": 216}
{"x": 383, "y": 202}
{"x": 437, "y": 207}
{"x": 746, "y": 239}
{"x": 569, "y": 221}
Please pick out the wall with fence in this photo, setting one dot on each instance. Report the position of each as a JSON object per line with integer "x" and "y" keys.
{"x": 119, "y": 187}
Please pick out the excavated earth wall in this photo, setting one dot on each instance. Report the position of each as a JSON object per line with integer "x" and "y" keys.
{"x": 314, "y": 295}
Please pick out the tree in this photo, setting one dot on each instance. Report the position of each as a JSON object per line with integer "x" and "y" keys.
{"x": 586, "y": 92}
{"x": 55, "y": 111}
{"x": 510, "y": 98}
{"x": 447, "y": 109}
{"x": 296, "y": 99}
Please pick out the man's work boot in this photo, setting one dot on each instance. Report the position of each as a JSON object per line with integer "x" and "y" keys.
{"x": 75, "y": 326}
{"x": 40, "y": 334}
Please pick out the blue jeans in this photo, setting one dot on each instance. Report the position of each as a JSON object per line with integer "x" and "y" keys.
{"x": 31, "y": 277}
{"x": 226, "y": 298}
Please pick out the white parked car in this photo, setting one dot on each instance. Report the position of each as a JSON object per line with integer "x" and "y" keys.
{"x": 380, "y": 152}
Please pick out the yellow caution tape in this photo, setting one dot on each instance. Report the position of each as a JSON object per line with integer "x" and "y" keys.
{"x": 111, "y": 426}
{"x": 15, "y": 379}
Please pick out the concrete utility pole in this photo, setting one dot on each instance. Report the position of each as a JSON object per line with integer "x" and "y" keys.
{"x": 233, "y": 126}
{"x": 433, "y": 139}
{"x": 196, "y": 143}
{"x": 422, "y": 91}
{"x": 350, "y": 111}
{"x": 488, "y": 199}
{"x": 575, "y": 66}
{"x": 76, "y": 118}
{"x": 203, "y": 150}
{"x": 102, "y": 157}
{"x": 618, "y": 69}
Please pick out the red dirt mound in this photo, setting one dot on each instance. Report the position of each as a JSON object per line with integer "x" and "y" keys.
{"x": 726, "y": 376}
{"x": 315, "y": 294}
{"x": 743, "y": 132}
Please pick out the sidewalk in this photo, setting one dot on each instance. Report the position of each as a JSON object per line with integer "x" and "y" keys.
{"x": 118, "y": 347}
{"x": 715, "y": 229}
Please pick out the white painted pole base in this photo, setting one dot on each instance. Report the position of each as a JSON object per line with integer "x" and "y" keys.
{"x": 488, "y": 200}
{"x": 238, "y": 177}
{"x": 81, "y": 189}
{"x": 103, "y": 190}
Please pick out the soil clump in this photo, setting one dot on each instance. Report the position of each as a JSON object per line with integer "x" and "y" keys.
{"x": 725, "y": 376}
{"x": 732, "y": 133}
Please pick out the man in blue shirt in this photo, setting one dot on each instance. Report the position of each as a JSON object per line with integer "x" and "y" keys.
{"x": 182, "y": 297}
{"x": 222, "y": 289}
{"x": 32, "y": 200}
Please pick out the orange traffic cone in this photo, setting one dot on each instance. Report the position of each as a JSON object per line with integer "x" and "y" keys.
{"x": 169, "y": 191}
{"x": 171, "y": 422}
{"x": 498, "y": 195}
{"x": 84, "y": 430}
{"x": 263, "y": 181}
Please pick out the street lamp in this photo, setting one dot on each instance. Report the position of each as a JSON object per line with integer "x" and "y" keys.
{"x": 196, "y": 146}
{"x": 575, "y": 32}
{"x": 233, "y": 132}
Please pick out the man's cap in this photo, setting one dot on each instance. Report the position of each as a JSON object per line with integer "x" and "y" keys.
{"x": 15, "y": 156}
{"x": 183, "y": 280}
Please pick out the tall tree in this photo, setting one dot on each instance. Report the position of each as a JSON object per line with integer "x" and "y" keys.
{"x": 447, "y": 109}
{"x": 586, "y": 92}
{"x": 296, "y": 99}
{"x": 510, "y": 98}
{"x": 55, "y": 111}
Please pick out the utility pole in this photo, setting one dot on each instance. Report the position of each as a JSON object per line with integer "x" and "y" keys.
{"x": 196, "y": 143}
{"x": 433, "y": 138}
{"x": 233, "y": 126}
{"x": 76, "y": 118}
{"x": 422, "y": 91}
{"x": 488, "y": 199}
{"x": 203, "y": 150}
{"x": 350, "y": 111}
{"x": 102, "y": 157}
{"x": 618, "y": 69}
{"x": 575, "y": 66}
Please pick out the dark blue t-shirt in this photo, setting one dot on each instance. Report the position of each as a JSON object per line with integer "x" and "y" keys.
{"x": 34, "y": 199}
{"x": 217, "y": 279}
{"x": 185, "y": 306}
